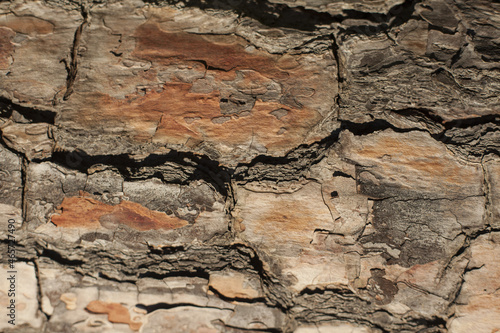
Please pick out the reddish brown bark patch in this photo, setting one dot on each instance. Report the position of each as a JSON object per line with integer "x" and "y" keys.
{"x": 6, "y": 47}
{"x": 85, "y": 212}
{"x": 161, "y": 117}
{"x": 28, "y": 25}
{"x": 218, "y": 52}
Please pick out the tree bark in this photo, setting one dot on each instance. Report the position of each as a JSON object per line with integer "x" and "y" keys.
{"x": 250, "y": 166}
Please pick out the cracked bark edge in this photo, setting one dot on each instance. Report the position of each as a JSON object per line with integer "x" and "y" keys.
{"x": 72, "y": 67}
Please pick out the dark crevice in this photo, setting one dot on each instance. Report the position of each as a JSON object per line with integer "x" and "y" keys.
{"x": 57, "y": 257}
{"x": 469, "y": 122}
{"x": 31, "y": 114}
{"x": 166, "y": 306}
{"x": 199, "y": 273}
{"x": 166, "y": 250}
{"x": 426, "y": 115}
{"x": 338, "y": 61}
{"x": 212, "y": 68}
{"x": 459, "y": 254}
{"x": 105, "y": 276}
{"x": 447, "y": 130}
{"x": 288, "y": 167}
{"x": 336, "y": 291}
{"x": 396, "y": 16}
{"x": 340, "y": 73}
{"x": 470, "y": 269}
{"x": 366, "y": 30}
{"x": 208, "y": 67}
{"x": 192, "y": 166}
{"x": 272, "y": 15}
{"x": 342, "y": 174}
{"x": 487, "y": 215}
{"x": 454, "y": 297}
{"x": 402, "y": 13}
{"x": 291, "y": 166}
{"x": 486, "y": 231}
{"x": 281, "y": 15}
{"x": 470, "y": 136}
{"x": 372, "y": 127}
{"x": 434, "y": 322}
{"x": 72, "y": 67}
{"x": 461, "y": 250}
{"x": 237, "y": 299}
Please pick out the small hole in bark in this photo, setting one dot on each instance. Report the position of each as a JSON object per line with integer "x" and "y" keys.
{"x": 334, "y": 194}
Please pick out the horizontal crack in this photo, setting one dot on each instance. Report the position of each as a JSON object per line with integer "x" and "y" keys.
{"x": 306, "y": 19}
{"x": 29, "y": 113}
{"x": 184, "y": 166}
{"x": 166, "y": 306}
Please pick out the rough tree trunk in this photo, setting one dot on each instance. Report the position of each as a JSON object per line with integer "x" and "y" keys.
{"x": 250, "y": 165}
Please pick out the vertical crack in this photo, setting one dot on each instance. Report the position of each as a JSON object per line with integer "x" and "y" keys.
{"x": 340, "y": 72}
{"x": 230, "y": 203}
{"x": 72, "y": 67}
{"x": 40, "y": 294}
{"x": 487, "y": 216}
{"x": 24, "y": 190}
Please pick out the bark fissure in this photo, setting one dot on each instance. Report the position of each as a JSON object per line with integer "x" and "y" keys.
{"x": 252, "y": 166}
{"x": 72, "y": 67}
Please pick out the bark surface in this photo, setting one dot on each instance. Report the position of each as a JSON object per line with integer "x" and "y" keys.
{"x": 251, "y": 165}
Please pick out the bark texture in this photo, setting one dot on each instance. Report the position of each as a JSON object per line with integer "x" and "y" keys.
{"x": 251, "y": 165}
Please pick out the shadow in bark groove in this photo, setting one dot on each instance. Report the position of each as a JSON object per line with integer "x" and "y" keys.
{"x": 281, "y": 15}
{"x": 32, "y": 114}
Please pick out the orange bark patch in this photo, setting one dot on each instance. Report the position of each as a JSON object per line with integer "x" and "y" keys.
{"x": 433, "y": 162}
{"x": 270, "y": 103}
{"x": 116, "y": 312}
{"x": 85, "y": 212}
{"x": 161, "y": 117}
{"x": 6, "y": 47}
{"x": 28, "y": 25}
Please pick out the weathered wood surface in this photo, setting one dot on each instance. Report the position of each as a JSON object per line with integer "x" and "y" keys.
{"x": 251, "y": 166}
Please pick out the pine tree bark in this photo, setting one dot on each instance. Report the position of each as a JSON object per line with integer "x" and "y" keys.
{"x": 250, "y": 166}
